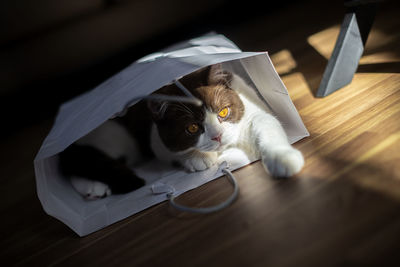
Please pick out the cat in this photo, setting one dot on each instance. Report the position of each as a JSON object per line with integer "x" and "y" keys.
{"x": 183, "y": 134}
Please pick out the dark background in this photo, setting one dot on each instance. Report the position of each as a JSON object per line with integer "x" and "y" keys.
{"x": 341, "y": 210}
{"x": 51, "y": 51}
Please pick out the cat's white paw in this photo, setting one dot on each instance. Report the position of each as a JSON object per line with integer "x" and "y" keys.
{"x": 283, "y": 162}
{"x": 235, "y": 157}
{"x": 89, "y": 189}
{"x": 200, "y": 161}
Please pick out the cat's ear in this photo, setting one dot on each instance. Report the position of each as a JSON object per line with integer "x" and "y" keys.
{"x": 157, "y": 108}
{"x": 217, "y": 75}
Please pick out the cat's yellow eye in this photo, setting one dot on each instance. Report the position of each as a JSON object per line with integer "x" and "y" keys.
{"x": 193, "y": 128}
{"x": 223, "y": 112}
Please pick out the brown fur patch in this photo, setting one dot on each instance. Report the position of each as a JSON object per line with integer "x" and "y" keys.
{"x": 211, "y": 86}
{"x": 217, "y": 97}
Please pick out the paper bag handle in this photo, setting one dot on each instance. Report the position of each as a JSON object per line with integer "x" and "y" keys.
{"x": 211, "y": 209}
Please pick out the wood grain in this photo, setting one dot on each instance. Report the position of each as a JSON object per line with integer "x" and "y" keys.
{"x": 341, "y": 210}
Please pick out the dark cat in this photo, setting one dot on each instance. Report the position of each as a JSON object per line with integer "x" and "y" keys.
{"x": 190, "y": 135}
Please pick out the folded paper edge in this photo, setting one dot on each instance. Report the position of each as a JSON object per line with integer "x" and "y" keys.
{"x": 79, "y": 228}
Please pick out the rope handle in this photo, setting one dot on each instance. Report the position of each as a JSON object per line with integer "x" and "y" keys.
{"x": 211, "y": 209}
{"x": 188, "y": 98}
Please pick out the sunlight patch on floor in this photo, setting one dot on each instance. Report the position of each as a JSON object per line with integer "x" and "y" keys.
{"x": 324, "y": 41}
{"x": 380, "y": 57}
{"x": 389, "y": 141}
{"x": 283, "y": 61}
{"x": 297, "y": 85}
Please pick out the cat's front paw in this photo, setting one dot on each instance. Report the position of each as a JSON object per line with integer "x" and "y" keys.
{"x": 283, "y": 162}
{"x": 200, "y": 161}
{"x": 89, "y": 189}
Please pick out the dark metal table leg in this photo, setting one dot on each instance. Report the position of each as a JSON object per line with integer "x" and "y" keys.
{"x": 349, "y": 47}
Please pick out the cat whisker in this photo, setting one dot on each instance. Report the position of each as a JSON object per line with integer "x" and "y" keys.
{"x": 187, "y": 109}
{"x": 182, "y": 107}
{"x": 208, "y": 147}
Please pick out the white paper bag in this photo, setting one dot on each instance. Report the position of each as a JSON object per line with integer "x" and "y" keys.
{"x": 81, "y": 115}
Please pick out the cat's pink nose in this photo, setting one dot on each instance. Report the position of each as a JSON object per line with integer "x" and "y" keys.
{"x": 217, "y": 138}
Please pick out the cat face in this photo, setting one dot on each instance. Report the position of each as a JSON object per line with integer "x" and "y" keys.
{"x": 210, "y": 127}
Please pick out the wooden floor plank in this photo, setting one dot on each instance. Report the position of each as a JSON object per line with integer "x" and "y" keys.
{"x": 341, "y": 210}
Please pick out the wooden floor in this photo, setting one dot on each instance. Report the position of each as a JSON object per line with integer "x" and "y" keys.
{"x": 343, "y": 209}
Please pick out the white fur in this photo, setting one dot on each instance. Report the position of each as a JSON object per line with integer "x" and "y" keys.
{"x": 114, "y": 140}
{"x": 235, "y": 157}
{"x": 263, "y": 137}
{"x": 258, "y": 134}
{"x": 200, "y": 157}
{"x": 90, "y": 189}
{"x": 212, "y": 128}
{"x": 192, "y": 159}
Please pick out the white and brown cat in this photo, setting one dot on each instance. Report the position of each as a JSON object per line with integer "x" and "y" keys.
{"x": 179, "y": 133}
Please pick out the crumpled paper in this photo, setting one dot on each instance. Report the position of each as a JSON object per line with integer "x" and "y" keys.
{"x": 81, "y": 115}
